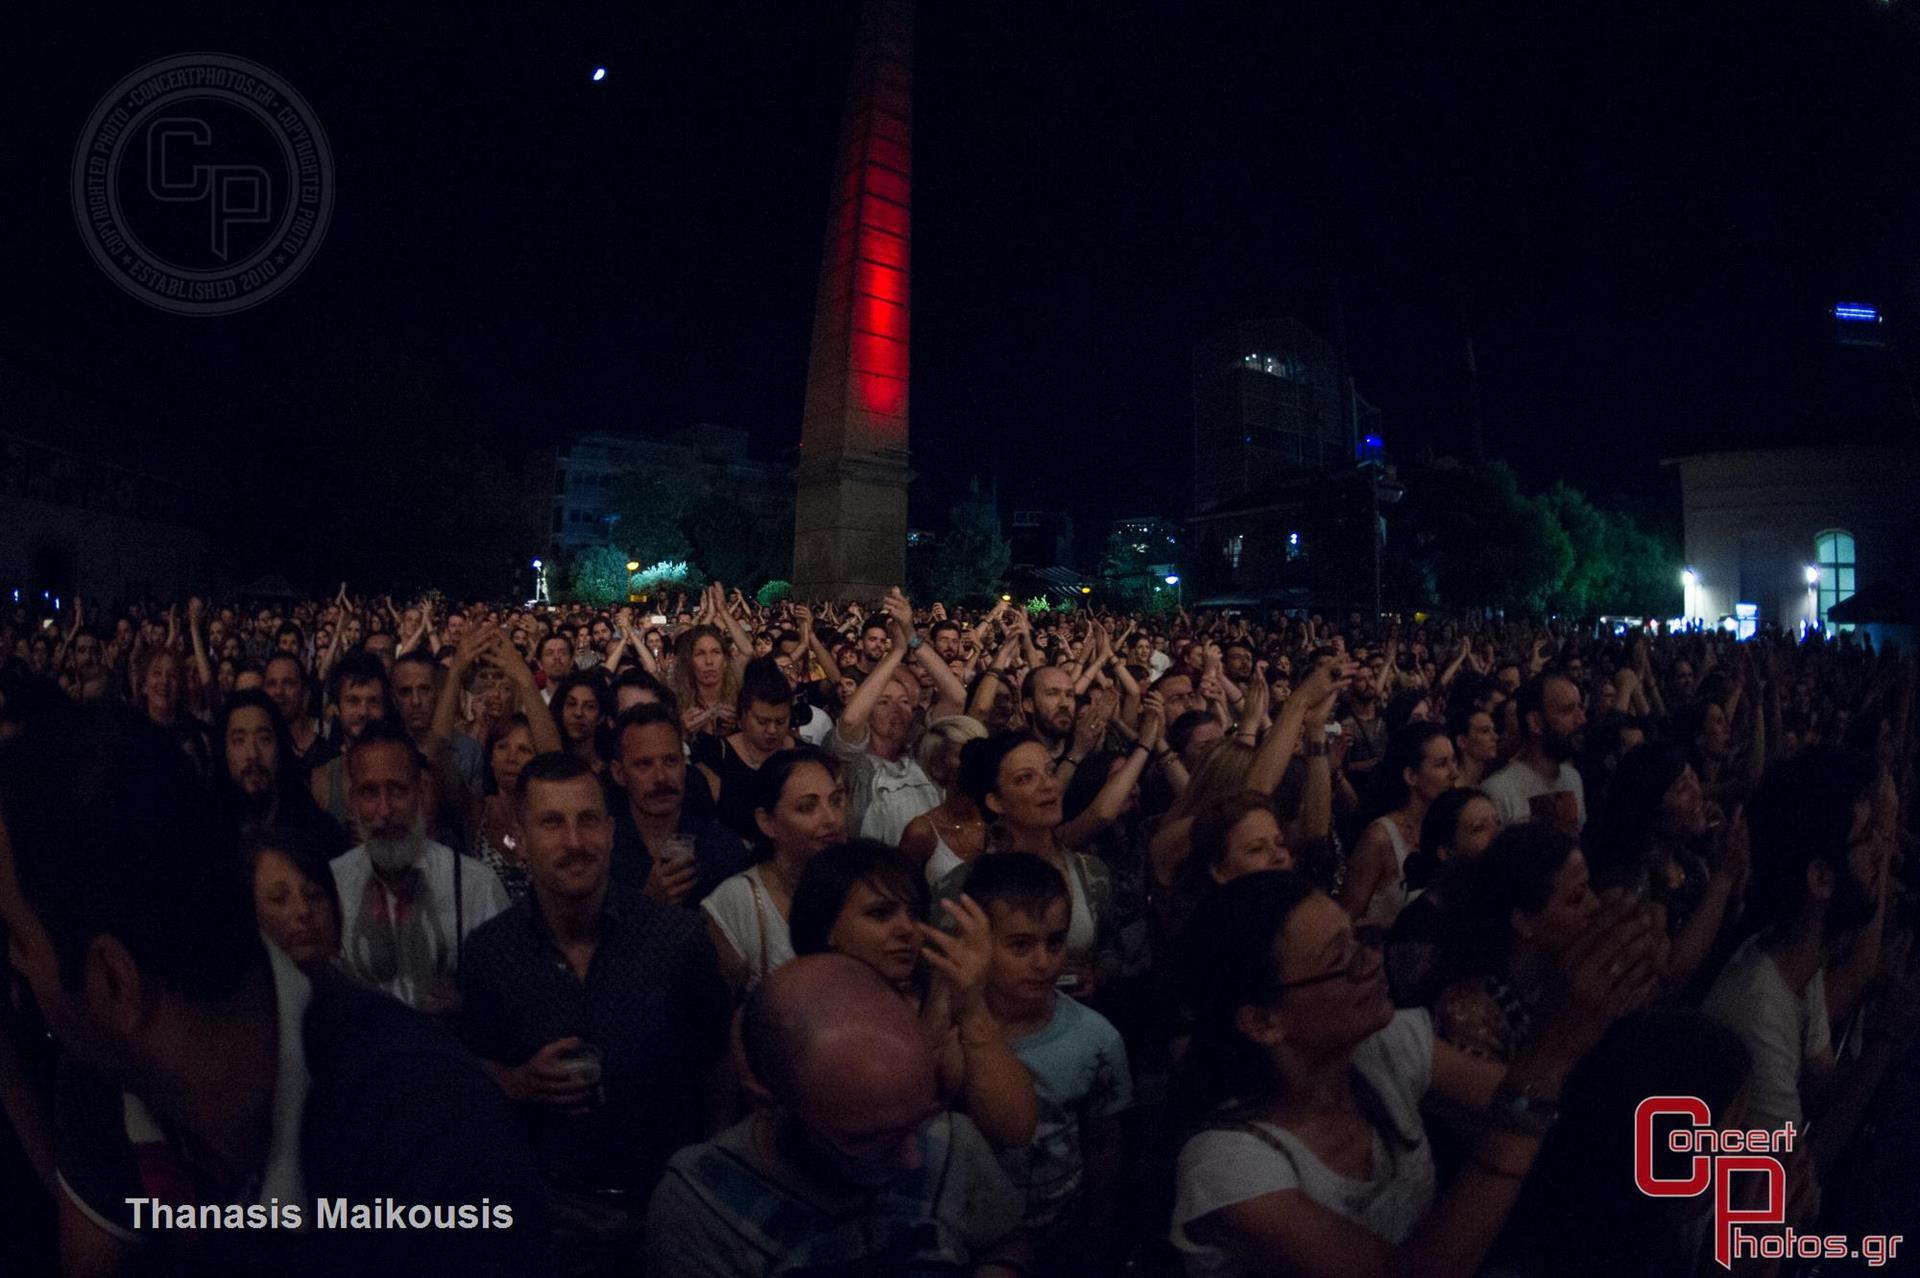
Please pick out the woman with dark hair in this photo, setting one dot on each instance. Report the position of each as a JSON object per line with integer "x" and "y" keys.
{"x": 1658, "y": 836}
{"x": 1476, "y": 740}
{"x": 495, "y": 820}
{"x": 801, "y": 811}
{"x": 1458, "y": 828}
{"x": 1310, "y": 1156}
{"x": 1011, "y": 778}
{"x": 294, "y": 896}
{"x": 1524, "y": 902}
{"x": 865, "y": 900}
{"x": 1418, "y": 768}
{"x": 582, "y": 709}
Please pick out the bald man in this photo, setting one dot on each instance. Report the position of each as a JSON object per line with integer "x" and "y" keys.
{"x": 851, "y": 1167}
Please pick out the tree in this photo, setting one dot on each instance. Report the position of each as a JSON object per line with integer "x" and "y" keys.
{"x": 649, "y": 506}
{"x": 1479, "y": 541}
{"x": 1133, "y": 578}
{"x": 972, "y": 559}
{"x": 600, "y": 576}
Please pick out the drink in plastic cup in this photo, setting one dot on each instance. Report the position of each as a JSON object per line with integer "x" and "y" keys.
{"x": 677, "y": 849}
{"x": 585, "y": 1064}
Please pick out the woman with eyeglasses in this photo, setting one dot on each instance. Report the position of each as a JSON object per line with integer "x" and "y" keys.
{"x": 1309, "y": 1154}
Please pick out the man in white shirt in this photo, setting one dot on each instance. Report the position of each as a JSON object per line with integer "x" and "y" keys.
{"x": 407, "y": 903}
{"x": 1819, "y": 879}
{"x": 1551, "y": 721}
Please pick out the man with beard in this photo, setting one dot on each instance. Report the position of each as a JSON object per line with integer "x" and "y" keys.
{"x": 1363, "y": 725}
{"x": 589, "y": 966}
{"x": 201, "y": 1070}
{"x": 556, "y": 661}
{"x": 848, "y": 1165}
{"x": 1048, "y": 703}
{"x": 255, "y": 787}
{"x": 1551, "y": 718}
{"x": 357, "y": 690}
{"x": 655, "y": 826}
{"x": 407, "y": 902}
{"x": 1820, "y": 880}
{"x": 876, "y": 639}
{"x": 416, "y": 689}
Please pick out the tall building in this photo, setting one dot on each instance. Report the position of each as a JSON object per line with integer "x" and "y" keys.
{"x": 850, "y": 501}
{"x": 1267, "y": 404}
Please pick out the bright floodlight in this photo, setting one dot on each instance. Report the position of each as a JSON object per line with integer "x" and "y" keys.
{"x": 599, "y": 73}
{"x": 1813, "y": 575}
{"x": 633, "y": 565}
{"x": 1173, "y": 579}
{"x": 536, "y": 565}
{"x": 1688, "y": 577}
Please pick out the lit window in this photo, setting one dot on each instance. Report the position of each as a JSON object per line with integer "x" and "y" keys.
{"x": 1296, "y": 549}
{"x": 1833, "y": 555}
{"x": 1235, "y": 544}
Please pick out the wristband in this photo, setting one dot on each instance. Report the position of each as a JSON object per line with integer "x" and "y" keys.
{"x": 914, "y": 643}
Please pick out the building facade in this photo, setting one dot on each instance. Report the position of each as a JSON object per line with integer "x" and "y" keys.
{"x": 1267, "y": 403}
{"x": 581, "y": 480}
{"x": 1781, "y": 536}
{"x": 72, "y": 524}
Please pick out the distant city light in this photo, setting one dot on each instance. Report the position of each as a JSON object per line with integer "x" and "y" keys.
{"x": 1173, "y": 579}
{"x": 1293, "y": 539}
{"x": 1858, "y": 312}
{"x": 1813, "y": 575}
{"x": 599, "y": 73}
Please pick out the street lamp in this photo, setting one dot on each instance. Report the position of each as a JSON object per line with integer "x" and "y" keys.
{"x": 633, "y": 565}
{"x": 1813, "y": 577}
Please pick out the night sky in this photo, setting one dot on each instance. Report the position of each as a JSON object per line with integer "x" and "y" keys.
{"x": 1640, "y": 211}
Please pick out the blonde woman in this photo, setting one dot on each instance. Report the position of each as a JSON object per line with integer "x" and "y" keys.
{"x": 947, "y": 836}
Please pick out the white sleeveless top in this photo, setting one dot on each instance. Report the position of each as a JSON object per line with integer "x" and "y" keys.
{"x": 943, "y": 861}
{"x": 746, "y": 915}
{"x": 1390, "y": 897}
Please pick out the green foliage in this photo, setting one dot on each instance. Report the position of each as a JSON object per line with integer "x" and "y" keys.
{"x": 972, "y": 558}
{"x": 600, "y": 576}
{"x": 773, "y": 592}
{"x": 1467, "y": 537}
{"x": 664, "y": 519}
{"x": 1039, "y": 603}
{"x": 667, "y": 574}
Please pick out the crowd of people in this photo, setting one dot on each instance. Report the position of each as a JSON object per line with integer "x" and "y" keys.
{"x": 703, "y": 937}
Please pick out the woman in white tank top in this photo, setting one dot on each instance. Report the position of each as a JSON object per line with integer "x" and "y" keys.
{"x": 1419, "y": 767}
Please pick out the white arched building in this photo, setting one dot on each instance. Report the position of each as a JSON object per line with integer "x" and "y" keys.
{"x": 1782, "y": 535}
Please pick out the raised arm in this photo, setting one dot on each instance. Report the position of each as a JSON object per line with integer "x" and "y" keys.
{"x": 952, "y": 694}
{"x": 1276, "y": 752}
{"x": 1108, "y": 804}
{"x": 852, "y": 728}
{"x": 540, "y": 719}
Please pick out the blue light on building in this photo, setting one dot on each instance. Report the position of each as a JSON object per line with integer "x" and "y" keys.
{"x": 1856, "y": 313}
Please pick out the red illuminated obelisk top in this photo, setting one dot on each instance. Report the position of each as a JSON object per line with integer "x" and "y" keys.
{"x": 850, "y": 511}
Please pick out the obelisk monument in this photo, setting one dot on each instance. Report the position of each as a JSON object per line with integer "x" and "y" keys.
{"x": 850, "y": 505}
